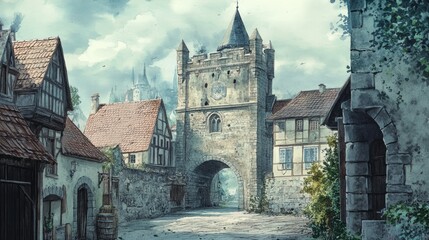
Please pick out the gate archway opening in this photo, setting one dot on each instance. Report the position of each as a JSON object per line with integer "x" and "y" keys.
{"x": 216, "y": 183}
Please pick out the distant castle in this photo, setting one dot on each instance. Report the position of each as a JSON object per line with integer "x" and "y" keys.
{"x": 143, "y": 90}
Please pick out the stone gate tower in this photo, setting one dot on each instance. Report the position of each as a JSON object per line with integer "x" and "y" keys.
{"x": 223, "y": 100}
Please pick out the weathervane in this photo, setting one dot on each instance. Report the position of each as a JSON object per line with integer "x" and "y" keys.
{"x": 237, "y": 4}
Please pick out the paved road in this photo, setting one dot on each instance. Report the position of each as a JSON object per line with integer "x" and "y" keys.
{"x": 216, "y": 224}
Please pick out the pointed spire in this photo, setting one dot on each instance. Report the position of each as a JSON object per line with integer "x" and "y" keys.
{"x": 182, "y": 47}
{"x": 144, "y": 77}
{"x": 132, "y": 75}
{"x": 255, "y": 35}
{"x": 236, "y": 34}
{"x": 270, "y": 45}
{"x": 175, "y": 80}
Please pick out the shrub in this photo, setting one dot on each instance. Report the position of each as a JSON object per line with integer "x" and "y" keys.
{"x": 323, "y": 186}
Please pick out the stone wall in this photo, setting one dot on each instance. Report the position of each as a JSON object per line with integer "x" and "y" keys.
{"x": 144, "y": 193}
{"x": 394, "y": 97}
{"x": 284, "y": 194}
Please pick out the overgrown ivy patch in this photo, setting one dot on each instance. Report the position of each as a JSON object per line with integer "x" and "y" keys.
{"x": 409, "y": 221}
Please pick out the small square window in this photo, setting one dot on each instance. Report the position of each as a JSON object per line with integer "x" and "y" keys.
{"x": 132, "y": 158}
{"x": 299, "y": 125}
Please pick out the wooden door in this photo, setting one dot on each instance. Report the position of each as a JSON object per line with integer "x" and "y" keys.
{"x": 378, "y": 178}
{"x": 82, "y": 210}
{"x": 17, "y": 203}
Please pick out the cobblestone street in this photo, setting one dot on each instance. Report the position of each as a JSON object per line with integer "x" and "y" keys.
{"x": 217, "y": 223}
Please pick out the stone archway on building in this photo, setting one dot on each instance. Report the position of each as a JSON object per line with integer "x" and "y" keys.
{"x": 374, "y": 167}
{"x": 84, "y": 209}
{"x": 200, "y": 177}
{"x": 53, "y": 208}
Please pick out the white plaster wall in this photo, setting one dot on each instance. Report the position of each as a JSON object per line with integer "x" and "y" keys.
{"x": 85, "y": 168}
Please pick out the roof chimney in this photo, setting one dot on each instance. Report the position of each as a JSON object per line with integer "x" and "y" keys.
{"x": 322, "y": 88}
{"x": 95, "y": 99}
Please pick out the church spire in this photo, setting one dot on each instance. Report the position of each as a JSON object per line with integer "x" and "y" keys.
{"x": 143, "y": 80}
{"x": 236, "y": 34}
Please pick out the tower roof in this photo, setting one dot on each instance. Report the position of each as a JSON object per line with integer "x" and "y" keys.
{"x": 236, "y": 34}
{"x": 143, "y": 80}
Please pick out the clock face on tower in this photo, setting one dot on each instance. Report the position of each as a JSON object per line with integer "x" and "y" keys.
{"x": 218, "y": 90}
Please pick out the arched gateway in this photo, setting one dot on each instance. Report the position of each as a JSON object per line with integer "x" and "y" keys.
{"x": 200, "y": 181}
{"x": 224, "y": 98}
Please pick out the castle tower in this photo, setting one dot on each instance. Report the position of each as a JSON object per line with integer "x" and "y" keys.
{"x": 223, "y": 100}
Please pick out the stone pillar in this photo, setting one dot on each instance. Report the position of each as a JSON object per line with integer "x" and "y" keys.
{"x": 360, "y": 130}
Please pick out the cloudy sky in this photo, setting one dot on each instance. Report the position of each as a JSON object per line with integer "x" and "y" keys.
{"x": 104, "y": 39}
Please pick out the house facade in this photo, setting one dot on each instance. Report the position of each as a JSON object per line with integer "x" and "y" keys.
{"x": 22, "y": 157}
{"x": 299, "y": 140}
{"x": 148, "y": 183}
{"x": 223, "y": 100}
{"x": 70, "y": 198}
{"x": 140, "y": 129}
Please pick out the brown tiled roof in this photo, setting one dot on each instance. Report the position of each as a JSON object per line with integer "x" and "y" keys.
{"x": 16, "y": 138}
{"x": 128, "y": 124}
{"x": 76, "y": 144}
{"x": 33, "y": 58}
{"x": 279, "y": 104}
{"x": 308, "y": 104}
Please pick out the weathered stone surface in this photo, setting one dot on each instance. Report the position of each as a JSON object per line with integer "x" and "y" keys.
{"x": 361, "y": 133}
{"x": 357, "y": 169}
{"x": 357, "y": 202}
{"x": 393, "y": 198}
{"x": 398, "y": 159}
{"x": 363, "y": 99}
{"x": 356, "y": 184}
{"x": 354, "y": 221}
{"x": 284, "y": 194}
{"x": 364, "y": 61}
{"x": 356, "y": 19}
{"x": 374, "y": 230}
{"x": 362, "y": 81}
{"x": 383, "y": 118}
{"x": 389, "y": 133}
{"x": 361, "y": 39}
{"x": 143, "y": 194}
{"x": 398, "y": 189}
{"x": 357, "y": 152}
{"x": 357, "y": 5}
{"x": 395, "y": 174}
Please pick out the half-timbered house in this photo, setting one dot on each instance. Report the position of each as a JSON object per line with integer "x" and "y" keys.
{"x": 139, "y": 128}
{"x": 22, "y": 158}
{"x": 299, "y": 140}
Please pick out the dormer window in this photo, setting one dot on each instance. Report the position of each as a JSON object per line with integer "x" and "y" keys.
{"x": 215, "y": 123}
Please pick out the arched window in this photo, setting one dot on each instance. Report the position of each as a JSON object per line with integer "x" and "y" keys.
{"x": 215, "y": 124}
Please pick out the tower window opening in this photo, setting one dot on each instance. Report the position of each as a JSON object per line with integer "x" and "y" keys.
{"x": 215, "y": 123}
{"x": 228, "y": 72}
{"x": 213, "y": 75}
{"x": 205, "y": 85}
{"x": 206, "y": 103}
{"x": 235, "y": 81}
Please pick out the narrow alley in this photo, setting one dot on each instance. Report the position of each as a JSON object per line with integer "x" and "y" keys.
{"x": 216, "y": 223}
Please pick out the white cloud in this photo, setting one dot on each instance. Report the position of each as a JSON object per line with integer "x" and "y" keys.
{"x": 151, "y": 30}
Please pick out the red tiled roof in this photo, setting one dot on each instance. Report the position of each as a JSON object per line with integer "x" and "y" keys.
{"x": 74, "y": 143}
{"x": 279, "y": 104}
{"x": 128, "y": 124}
{"x": 16, "y": 138}
{"x": 33, "y": 58}
{"x": 308, "y": 104}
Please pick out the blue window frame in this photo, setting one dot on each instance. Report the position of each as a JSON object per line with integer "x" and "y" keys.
{"x": 310, "y": 156}
{"x": 286, "y": 158}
